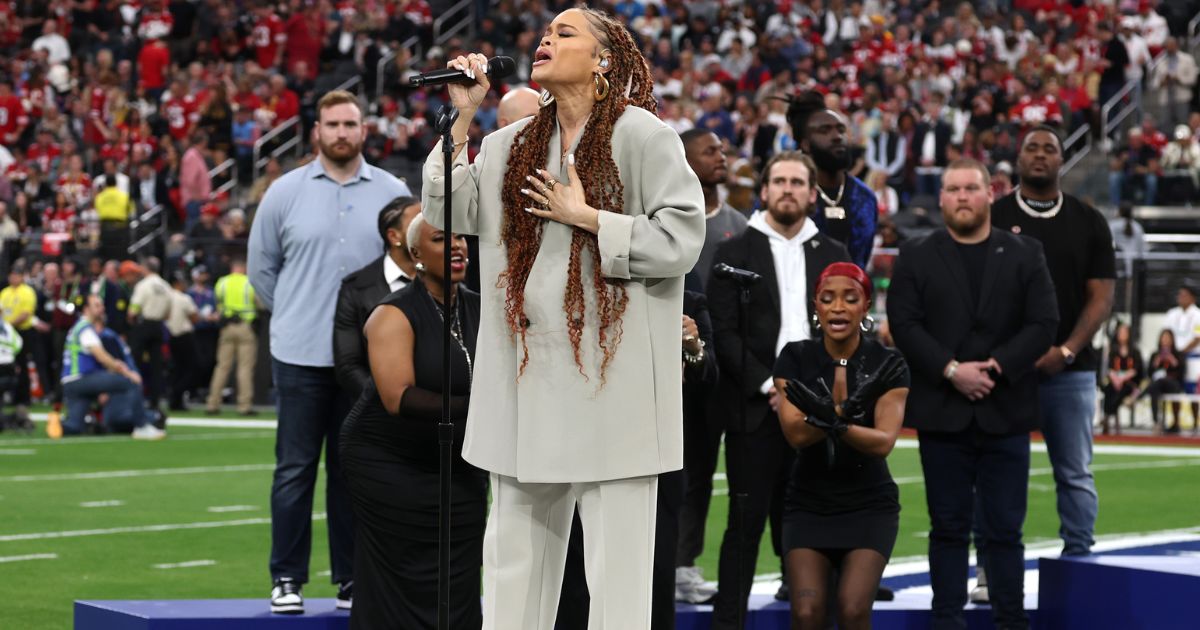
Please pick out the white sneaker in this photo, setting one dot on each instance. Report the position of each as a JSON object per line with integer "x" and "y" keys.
{"x": 979, "y": 594}
{"x": 148, "y": 432}
{"x": 690, "y": 587}
{"x": 286, "y": 598}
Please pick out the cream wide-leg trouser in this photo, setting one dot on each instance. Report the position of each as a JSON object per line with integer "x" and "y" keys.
{"x": 525, "y": 550}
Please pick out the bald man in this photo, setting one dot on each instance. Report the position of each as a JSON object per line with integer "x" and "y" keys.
{"x": 519, "y": 103}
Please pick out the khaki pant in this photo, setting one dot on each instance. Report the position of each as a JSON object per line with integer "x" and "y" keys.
{"x": 237, "y": 341}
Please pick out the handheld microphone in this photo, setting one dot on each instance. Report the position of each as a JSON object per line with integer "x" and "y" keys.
{"x": 497, "y": 68}
{"x": 740, "y": 276}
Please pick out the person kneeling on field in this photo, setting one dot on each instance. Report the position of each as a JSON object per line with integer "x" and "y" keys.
{"x": 89, "y": 371}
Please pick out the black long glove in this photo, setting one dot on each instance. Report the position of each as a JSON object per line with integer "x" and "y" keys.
{"x": 854, "y": 408}
{"x": 818, "y": 409}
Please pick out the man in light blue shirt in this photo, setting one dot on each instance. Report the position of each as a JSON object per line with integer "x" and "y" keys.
{"x": 315, "y": 225}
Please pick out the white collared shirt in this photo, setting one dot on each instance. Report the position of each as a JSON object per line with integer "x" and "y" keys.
{"x": 791, "y": 276}
{"x": 394, "y": 275}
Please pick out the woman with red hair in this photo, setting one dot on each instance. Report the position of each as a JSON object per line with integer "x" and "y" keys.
{"x": 844, "y": 408}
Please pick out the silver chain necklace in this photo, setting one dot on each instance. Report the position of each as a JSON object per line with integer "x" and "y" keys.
{"x": 457, "y": 333}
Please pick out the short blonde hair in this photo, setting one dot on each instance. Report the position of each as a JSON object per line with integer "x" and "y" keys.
{"x": 338, "y": 97}
{"x": 413, "y": 235}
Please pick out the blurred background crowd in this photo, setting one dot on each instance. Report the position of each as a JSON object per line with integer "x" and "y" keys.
{"x": 151, "y": 128}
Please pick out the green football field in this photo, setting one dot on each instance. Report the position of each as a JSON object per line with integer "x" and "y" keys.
{"x": 188, "y": 517}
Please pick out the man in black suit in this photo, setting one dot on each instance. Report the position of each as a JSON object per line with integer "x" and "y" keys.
{"x": 784, "y": 247}
{"x": 363, "y": 289}
{"x": 930, "y": 141}
{"x": 973, "y": 309}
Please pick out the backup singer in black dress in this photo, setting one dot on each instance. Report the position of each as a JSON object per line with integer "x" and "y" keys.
{"x": 390, "y": 453}
{"x": 844, "y": 409}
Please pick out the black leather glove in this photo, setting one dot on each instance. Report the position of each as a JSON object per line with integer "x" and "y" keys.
{"x": 818, "y": 409}
{"x": 854, "y": 408}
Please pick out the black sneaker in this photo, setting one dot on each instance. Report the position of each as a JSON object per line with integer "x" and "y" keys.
{"x": 345, "y": 596}
{"x": 286, "y": 598}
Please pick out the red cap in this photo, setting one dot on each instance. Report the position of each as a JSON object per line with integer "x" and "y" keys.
{"x": 129, "y": 267}
{"x": 846, "y": 270}
{"x": 211, "y": 209}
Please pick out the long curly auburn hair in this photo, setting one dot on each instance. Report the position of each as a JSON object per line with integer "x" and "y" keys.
{"x": 631, "y": 84}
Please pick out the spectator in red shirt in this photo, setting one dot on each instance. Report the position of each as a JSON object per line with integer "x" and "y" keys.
{"x": 155, "y": 21}
{"x": 75, "y": 183}
{"x": 180, "y": 109}
{"x": 13, "y": 118}
{"x": 1037, "y": 107}
{"x": 268, "y": 36}
{"x": 305, "y": 33}
{"x": 281, "y": 105}
{"x": 45, "y": 152}
{"x": 153, "y": 62}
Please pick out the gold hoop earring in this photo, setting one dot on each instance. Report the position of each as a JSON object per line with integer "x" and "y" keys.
{"x": 602, "y": 86}
{"x": 545, "y": 99}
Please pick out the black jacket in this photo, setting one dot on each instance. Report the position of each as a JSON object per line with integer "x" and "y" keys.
{"x": 932, "y": 321}
{"x": 941, "y": 133}
{"x": 357, "y": 297}
{"x": 752, "y": 251}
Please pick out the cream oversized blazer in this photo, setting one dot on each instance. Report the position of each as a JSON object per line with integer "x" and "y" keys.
{"x": 552, "y": 424}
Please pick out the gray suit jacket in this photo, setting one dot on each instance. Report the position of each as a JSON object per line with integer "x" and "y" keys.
{"x": 552, "y": 424}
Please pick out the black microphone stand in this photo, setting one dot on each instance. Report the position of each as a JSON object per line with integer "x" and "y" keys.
{"x": 442, "y": 124}
{"x": 741, "y": 497}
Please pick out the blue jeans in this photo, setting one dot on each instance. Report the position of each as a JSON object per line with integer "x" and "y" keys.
{"x": 1116, "y": 187}
{"x": 311, "y": 411}
{"x": 1068, "y": 402}
{"x": 965, "y": 472}
{"x": 125, "y": 407}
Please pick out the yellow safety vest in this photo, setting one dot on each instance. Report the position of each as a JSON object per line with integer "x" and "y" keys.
{"x": 235, "y": 297}
{"x": 113, "y": 205}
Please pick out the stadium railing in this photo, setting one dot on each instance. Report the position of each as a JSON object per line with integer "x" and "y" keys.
{"x": 274, "y": 145}
{"x": 460, "y": 16}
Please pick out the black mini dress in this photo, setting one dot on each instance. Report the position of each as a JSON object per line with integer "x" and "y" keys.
{"x": 853, "y": 504}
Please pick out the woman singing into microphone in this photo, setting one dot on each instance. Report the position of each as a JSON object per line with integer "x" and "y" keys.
{"x": 844, "y": 409}
{"x": 588, "y": 217}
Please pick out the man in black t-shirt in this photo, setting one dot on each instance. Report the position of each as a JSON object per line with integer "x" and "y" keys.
{"x": 1079, "y": 251}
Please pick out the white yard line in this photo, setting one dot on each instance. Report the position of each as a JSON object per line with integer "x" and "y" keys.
{"x": 1103, "y": 449}
{"x": 18, "y": 451}
{"x": 185, "y": 565}
{"x": 108, "y": 439}
{"x": 139, "y": 529}
{"x": 150, "y": 472}
{"x": 32, "y": 556}
{"x": 99, "y": 504}
{"x": 220, "y": 509}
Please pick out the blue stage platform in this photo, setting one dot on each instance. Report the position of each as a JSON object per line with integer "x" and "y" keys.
{"x": 908, "y": 612}
{"x": 1117, "y": 590}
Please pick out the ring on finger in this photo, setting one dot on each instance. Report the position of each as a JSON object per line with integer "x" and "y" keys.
{"x": 551, "y": 183}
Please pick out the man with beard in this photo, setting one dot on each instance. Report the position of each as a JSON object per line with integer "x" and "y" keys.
{"x": 314, "y": 226}
{"x": 1079, "y": 252}
{"x": 846, "y": 208}
{"x": 788, "y": 251}
{"x": 973, "y": 309}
